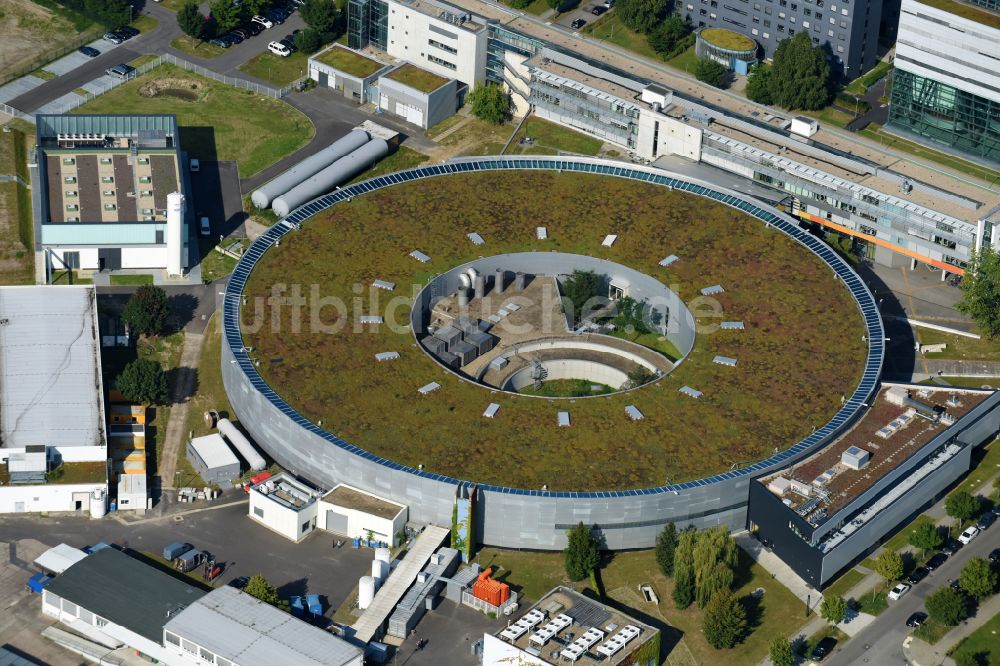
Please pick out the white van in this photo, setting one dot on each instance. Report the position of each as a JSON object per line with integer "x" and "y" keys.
{"x": 277, "y": 48}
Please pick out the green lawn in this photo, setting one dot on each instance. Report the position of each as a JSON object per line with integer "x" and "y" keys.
{"x": 550, "y": 138}
{"x": 609, "y": 28}
{"x": 959, "y": 346}
{"x": 829, "y": 116}
{"x": 16, "y": 234}
{"x": 144, "y": 23}
{"x": 403, "y": 158}
{"x": 840, "y": 587}
{"x": 965, "y": 382}
{"x": 416, "y": 78}
{"x": 349, "y": 62}
{"x": 210, "y": 392}
{"x": 567, "y": 388}
{"x": 654, "y": 341}
{"x": 130, "y": 280}
{"x": 474, "y": 137}
{"x": 43, "y": 74}
{"x": 932, "y": 631}
{"x": 262, "y": 131}
{"x": 215, "y": 264}
{"x": 860, "y": 85}
{"x": 196, "y": 48}
{"x": 279, "y": 71}
{"x": 873, "y": 604}
{"x": 63, "y": 277}
{"x": 984, "y": 643}
{"x": 686, "y": 61}
{"x": 78, "y": 472}
{"x": 142, "y": 60}
{"x": 875, "y": 133}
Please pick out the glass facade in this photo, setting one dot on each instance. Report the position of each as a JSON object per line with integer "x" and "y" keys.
{"x": 944, "y": 114}
{"x": 367, "y": 24}
{"x": 989, "y": 4}
{"x": 502, "y": 40}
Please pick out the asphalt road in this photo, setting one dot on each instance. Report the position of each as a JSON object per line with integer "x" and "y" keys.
{"x": 881, "y": 642}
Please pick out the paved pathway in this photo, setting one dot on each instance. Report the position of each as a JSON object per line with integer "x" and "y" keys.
{"x": 183, "y": 389}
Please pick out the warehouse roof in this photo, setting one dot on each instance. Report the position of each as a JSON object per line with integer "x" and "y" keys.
{"x": 214, "y": 451}
{"x": 247, "y": 631}
{"x": 125, "y": 591}
{"x": 50, "y": 368}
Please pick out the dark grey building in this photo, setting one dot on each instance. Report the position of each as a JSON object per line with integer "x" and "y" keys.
{"x": 848, "y": 28}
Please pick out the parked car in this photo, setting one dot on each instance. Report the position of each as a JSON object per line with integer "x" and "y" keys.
{"x": 262, "y": 21}
{"x": 968, "y": 535}
{"x": 239, "y": 582}
{"x": 936, "y": 560}
{"x": 278, "y": 14}
{"x": 38, "y": 581}
{"x": 253, "y": 28}
{"x": 277, "y": 48}
{"x": 995, "y": 556}
{"x": 128, "y": 32}
{"x": 598, "y": 10}
{"x": 917, "y": 575}
{"x": 205, "y": 227}
{"x": 220, "y": 42}
{"x": 578, "y": 23}
{"x": 189, "y": 561}
{"x": 121, "y": 71}
{"x": 955, "y": 584}
{"x": 234, "y": 37}
{"x": 289, "y": 43}
{"x": 951, "y": 547}
{"x": 985, "y": 520}
{"x": 898, "y": 591}
{"x": 89, "y": 51}
{"x": 113, "y": 37}
{"x": 243, "y": 33}
{"x": 195, "y": 165}
{"x": 916, "y": 620}
{"x": 823, "y": 648}
{"x": 996, "y": 511}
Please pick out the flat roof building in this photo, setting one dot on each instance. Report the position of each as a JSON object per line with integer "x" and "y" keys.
{"x": 228, "y": 627}
{"x": 212, "y": 458}
{"x": 284, "y": 505}
{"x": 106, "y": 183}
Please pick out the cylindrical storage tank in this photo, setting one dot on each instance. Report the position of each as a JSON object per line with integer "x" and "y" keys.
{"x": 241, "y": 444}
{"x": 383, "y": 555}
{"x": 366, "y": 592}
{"x": 498, "y": 281}
{"x": 98, "y": 504}
{"x": 519, "y": 281}
{"x": 340, "y": 171}
{"x": 480, "y": 286}
{"x": 175, "y": 233}
{"x": 308, "y": 167}
{"x": 380, "y": 570}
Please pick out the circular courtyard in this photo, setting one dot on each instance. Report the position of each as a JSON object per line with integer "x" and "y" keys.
{"x": 315, "y": 322}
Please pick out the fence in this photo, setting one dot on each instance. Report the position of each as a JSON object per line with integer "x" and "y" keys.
{"x": 39, "y": 61}
{"x": 11, "y": 111}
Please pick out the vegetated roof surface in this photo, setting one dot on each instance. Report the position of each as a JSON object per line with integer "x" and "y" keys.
{"x": 802, "y": 348}
{"x": 966, "y": 11}
{"x": 727, "y": 39}
{"x": 421, "y": 79}
{"x": 349, "y": 62}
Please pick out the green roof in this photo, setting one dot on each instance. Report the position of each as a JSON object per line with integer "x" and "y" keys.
{"x": 727, "y": 39}
{"x": 970, "y": 12}
{"x": 125, "y": 591}
{"x": 349, "y": 62}
{"x": 421, "y": 79}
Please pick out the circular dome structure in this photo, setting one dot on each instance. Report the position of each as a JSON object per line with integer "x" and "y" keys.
{"x": 797, "y": 322}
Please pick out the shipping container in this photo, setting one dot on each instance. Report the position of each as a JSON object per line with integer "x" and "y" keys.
{"x": 175, "y": 550}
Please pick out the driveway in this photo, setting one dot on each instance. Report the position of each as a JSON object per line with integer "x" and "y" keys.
{"x": 217, "y": 195}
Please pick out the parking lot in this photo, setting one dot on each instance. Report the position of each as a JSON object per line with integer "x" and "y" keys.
{"x": 583, "y": 12}
{"x": 313, "y": 566}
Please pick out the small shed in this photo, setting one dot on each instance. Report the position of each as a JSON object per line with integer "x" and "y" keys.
{"x": 132, "y": 492}
{"x": 56, "y": 560}
{"x": 779, "y": 486}
{"x": 212, "y": 459}
{"x": 854, "y": 457}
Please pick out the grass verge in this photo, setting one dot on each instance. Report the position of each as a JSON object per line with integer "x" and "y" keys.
{"x": 860, "y": 85}
{"x": 983, "y": 643}
{"x": 873, "y": 604}
{"x": 403, "y": 158}
{"x": 279, "y": 71}
{"x": 840, "y": 587}
{"x": 130, "y": 280}
{"x": 549, "y": 138}
{"x": 829, "y": 631}
{"x": 262, "y": 131}
{"x": 142, "y": 60}
{"x": 43, "y": 74}
{"x": 931, "y": 631}
{"x": 609, "y": 28}
{"x": 63, "y": 277}
{"x": 196, "y": 48}
{"x": 144, "y": 23}
{"x": 959, "y": 346}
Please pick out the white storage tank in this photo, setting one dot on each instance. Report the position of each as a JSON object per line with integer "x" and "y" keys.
{"x": 98, "y": 504}
{"x": 308, "y": 167}
{"x": 175, "y": 233}
{"x": 366, "y": 592}
{"x": 339, "y": 172}
{"x": 383, "y": 555}
{"x": 241, "y": 444}
{"x": 380, "y": 570}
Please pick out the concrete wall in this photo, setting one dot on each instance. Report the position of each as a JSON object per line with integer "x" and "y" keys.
{"x": 673, "y": 137}
{"x": 591, "y": 371}
{"x": 48, "y": 497}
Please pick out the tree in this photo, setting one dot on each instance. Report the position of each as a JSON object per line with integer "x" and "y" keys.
{"x": 308, "y": 40}
{"x": 190, "y": 20}
{"x": 968, "y": 659}
{"x": 631, "y": 315}
{"x": 833, "y": 609}
{"x": 581, "y": 553}
{"x": 226, "y": 15}
{"x": 758, "y": 85}
{"x": 711, "y": 72}
{"x": 926, "y": 537}
{"x": 981, "y": 291}
{"x": 321, "y": 15}
{"x": 490, "y": 102}
{"x": 684, "y": 569}
{"x": 146, "y": 311}
{"x": 714, "y": 560}
{"x": 978, "y": 578}
{"x": 725, "y": 620}
{"x": 947, "y": 606}
{"x": 781, "y": 652}
{"x": 638, "y": 376}
{"x": 259, "y": 587}
{"x": 581, "y": 288}
{"x": 889, "y": 565}
{"x": 257, "y": 7}
{"x": 665, "y": 37}
{"x": 800, "y": 74}
{"x": 961, "y": 505}
{"x": 640, "y": 15}
{"x": 142, "y": 381}
{"x": 666, "y": 546}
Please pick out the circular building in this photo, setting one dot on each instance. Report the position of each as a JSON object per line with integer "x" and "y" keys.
{"x": 733, "y": 49}
{"x": 565, "y": 340}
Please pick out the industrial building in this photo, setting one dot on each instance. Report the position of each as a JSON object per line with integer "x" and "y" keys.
{"x": 423, "y": 596}
{"x": 349, "y": 72}
{"x": 832, "y": 508}
{"x": 284, "y": 505}
{"x": 127, "y": 454}
{"x": 565, "y": 626}
{"x": 211, "y": 457}
{"x": 945, "y": 86}
{"x": 361, "y": 515}
{"x": 114, "y": 194}
{"x": 53, "y": 436}
{"x": 228, "y": 627}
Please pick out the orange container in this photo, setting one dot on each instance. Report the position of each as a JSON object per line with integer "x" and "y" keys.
{"x": 489, "y": 590}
